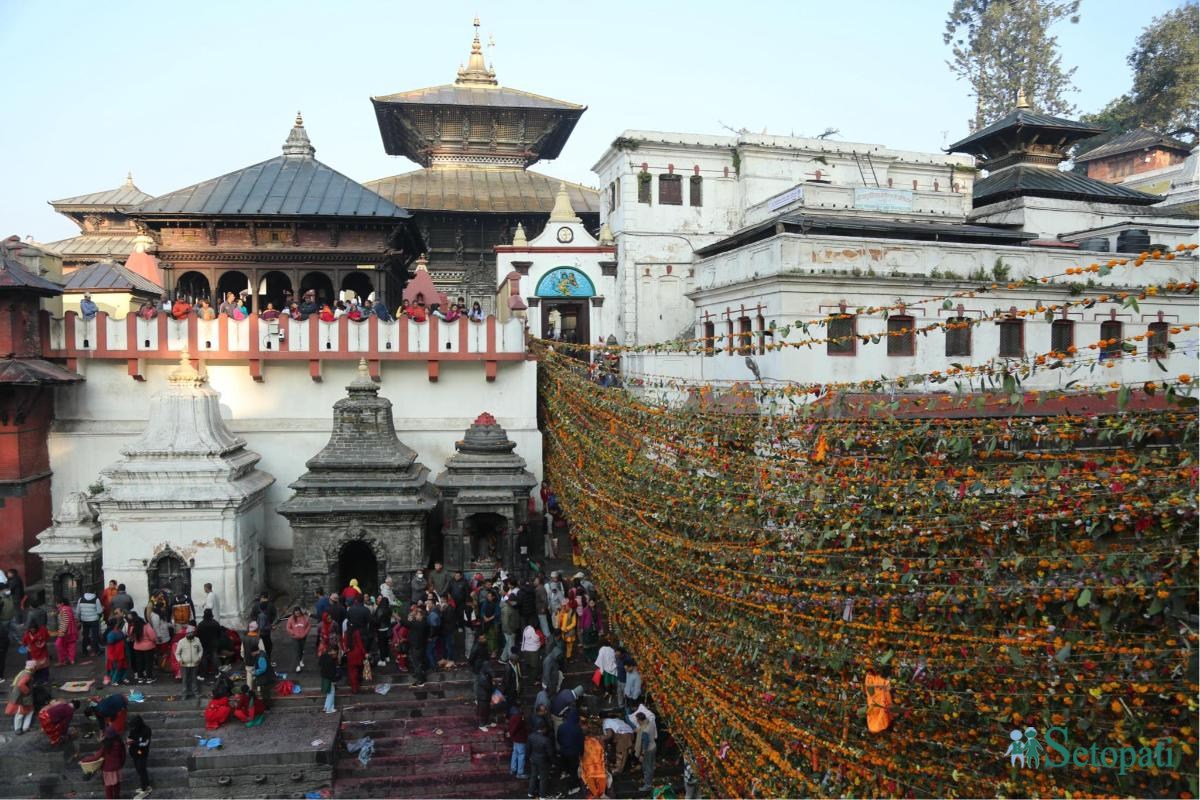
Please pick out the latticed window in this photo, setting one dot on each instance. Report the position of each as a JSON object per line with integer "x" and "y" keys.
{"x": 1110, "y": 332}
{"x": 841, "y": 336}
{"x": 901, "y": 338}
{"x": 1160, "y": 338}
{"x": 958, "y": 337}
{"x": 1062, "y": 335}
{"x": 695, "y": 191}
{"x": 1012, "y": 338}
{"x": 644, "y": 187}
{"x": 710, "y": 335}
{"x": 670, "y": 190}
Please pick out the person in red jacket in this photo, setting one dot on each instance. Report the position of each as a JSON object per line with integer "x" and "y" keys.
{"x": 112, "y": 757}
{"x": 356, "y": 656}
{"x": 518, "y": 733}
{"x": 37, "y": 643}
{"x": 298, "y": 626}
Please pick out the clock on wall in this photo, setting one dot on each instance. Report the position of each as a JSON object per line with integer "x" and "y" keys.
{"x": 566, "y": 235}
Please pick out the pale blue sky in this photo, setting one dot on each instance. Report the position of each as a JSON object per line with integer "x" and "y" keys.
{"x": 183, "y": 91}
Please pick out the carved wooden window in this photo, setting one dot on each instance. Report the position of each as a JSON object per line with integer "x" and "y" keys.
{"x": 1160, "y": 338}
{"x": 842, "y": 341}
{"x": 695, "y": 191}
{"x": 1062, "y": 335}
{"x": 958, "y": 337}
{"x": 1012, "y": 338}
{"x": 1110, "y": 332}
{"x": 901, "y": 339}
{"x": 670, "y": 190}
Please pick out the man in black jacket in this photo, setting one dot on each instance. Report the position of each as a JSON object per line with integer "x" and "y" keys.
{"x": 541, "y": 755}
{"x": 210, "y": 634}
{"x": 418, "y": 635}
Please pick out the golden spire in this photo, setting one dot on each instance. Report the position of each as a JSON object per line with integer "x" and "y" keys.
{"x": 1022, "y": 102}
{"x": 476, "y": 73}
{"x": 562, "y": 211}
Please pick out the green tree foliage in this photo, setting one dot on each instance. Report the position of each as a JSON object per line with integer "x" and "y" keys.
{"x": 1001, "y": 47}
{"x": 1165, "y": 81}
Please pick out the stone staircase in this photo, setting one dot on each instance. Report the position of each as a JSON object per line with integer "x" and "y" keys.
{"x": 427, "y": 744}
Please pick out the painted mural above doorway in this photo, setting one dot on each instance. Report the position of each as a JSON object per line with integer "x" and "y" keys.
{"x": 565, "y": 282}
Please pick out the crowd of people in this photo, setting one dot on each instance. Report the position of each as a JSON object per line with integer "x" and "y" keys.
{"x": 238, "y": 306}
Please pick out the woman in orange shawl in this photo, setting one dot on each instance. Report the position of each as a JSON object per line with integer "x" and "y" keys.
{"x": 568, "y": 623}
{"x": 182, "y": 309}
{"x": 592, "y": 769}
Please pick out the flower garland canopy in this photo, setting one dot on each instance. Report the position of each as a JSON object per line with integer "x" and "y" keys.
{"x": 1031, "y": 567}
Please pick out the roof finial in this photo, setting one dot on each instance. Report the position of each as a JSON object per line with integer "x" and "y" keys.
{"x": 1022, "y": 102}
{"x": 297, "y": 143}
{"x": 129, "y": 178}
{"x": 476, "y": 72}
{"x": 562, "y": 211}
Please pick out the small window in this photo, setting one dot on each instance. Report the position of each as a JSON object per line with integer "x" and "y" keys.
{"x": 901, "y": 339}
{"x": 644, "y": 179}
{"x": 696, "y": 191}
{"x": 729, "y": 336}
{"x": 958, "y": 337}
{"x": 1160, "y": 338}
{"x": 760, "y": 326}
{"x": 710, "y": 335}
{"x": 612, "y": 196}
{"x": 617, "y": 193}
{"x": 1062, "y": 335}
{"x": 745, "y": 337}
{"x": 842, "y": 341}
{"x": 1012, "y": 338}
{"x": 670, "y": 190}
{"x": 1110, "y": 332}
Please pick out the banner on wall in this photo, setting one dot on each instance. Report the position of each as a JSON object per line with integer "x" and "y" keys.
{"x": 871, "y": 199}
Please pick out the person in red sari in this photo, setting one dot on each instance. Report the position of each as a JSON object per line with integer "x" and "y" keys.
{"x": 172, "y": 661}
{"x": 112, "y": 754}
{"x": 55, "y": 719}
{"x": 107, "y": 595}
{"x": 37, "y": 643}
{"x": 68, "y": 633}
{"x": 217, "y": 713}
{"x": 250, "y": 708}
{"x": 400, "y": 646}
{"x": 356, "y": 656}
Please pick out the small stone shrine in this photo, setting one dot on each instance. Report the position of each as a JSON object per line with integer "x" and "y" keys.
{"x": 184, "y": 506}
{"x": 70, "y": 549}
{"x": 485, "y": 492}
{"x": 360, "y": 510}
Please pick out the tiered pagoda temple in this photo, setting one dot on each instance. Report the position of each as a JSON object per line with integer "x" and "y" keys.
{"x": 106, "y": 233}
{"x": 475, "y": 140}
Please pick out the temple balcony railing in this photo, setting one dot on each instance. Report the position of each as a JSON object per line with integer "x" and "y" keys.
{"x": 256, "y": 341}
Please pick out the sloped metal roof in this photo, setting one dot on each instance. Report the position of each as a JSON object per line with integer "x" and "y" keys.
{"x": 124, "y": 195}
{"x": 94, "y": 245}
{"x": 1131, "y": 141}
{"x": 14, "y": 276}
{"x": 33, "y": 372}
{"x": 1040, "y": 182}
{"x": 489, "y": 96}
{"x": 107, "y": 276}
{"x": 1023, "y": 118}
{"x": 288, "y": 185}
{"x": 482, "y": 190}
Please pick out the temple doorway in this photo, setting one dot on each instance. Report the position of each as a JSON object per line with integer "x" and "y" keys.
{"x": 484, "y": 532}
{"x": 172, "y": 573}
{"x": 357, "y": 561}
{"x": 572, "y": 321}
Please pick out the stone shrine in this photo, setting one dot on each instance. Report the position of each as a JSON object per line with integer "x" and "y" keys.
{"x": 485, "y": 492}
{"x": 184, "y": 507}
{"x": 360, "y": 510}
{"x": 70, "y": 549}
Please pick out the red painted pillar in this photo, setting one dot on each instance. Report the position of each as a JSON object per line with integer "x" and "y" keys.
{"x": 25, "y": 506}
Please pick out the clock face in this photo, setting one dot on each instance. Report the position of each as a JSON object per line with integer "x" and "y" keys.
{"x": 565, "y": 235}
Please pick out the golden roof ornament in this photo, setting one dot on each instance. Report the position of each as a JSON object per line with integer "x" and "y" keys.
{"x": 519, "y": 239}
{"x": 563, "y": 212}
{"x": 476, "y": 73}
{"x": 297, "y": 142}
{"x": 1022, "y": 102}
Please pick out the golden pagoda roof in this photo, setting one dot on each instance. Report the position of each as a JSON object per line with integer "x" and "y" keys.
{"x": 476, "y": 189}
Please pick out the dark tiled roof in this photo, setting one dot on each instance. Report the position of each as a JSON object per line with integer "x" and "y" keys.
{"x": 1132, "y": 141}
{"x": 15, "y": 277}
{"x": 107, "y": 276}
{"x": 125, "y": 195}
{"x": 484, "y": 189}
{"x": 289, "y": 185}
{"x": 1041, "y": 182}
{"x": 93, "y": 245}
{"x": 873, "y": 227}
{"x": 1023, "y": 118}
{"x": 33, "y": 372}
{"x": 489, "y": 96}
